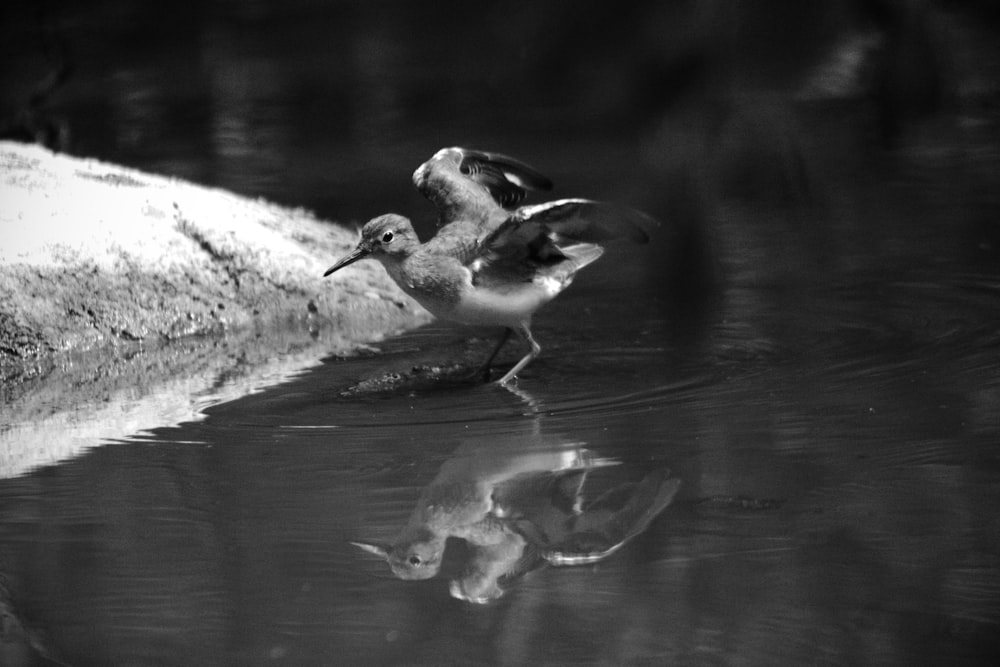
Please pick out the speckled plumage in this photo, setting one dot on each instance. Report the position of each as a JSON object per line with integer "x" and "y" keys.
{"x": 489, "y": 264}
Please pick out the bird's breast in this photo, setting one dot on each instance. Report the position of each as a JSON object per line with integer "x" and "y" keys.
{"x": 436, "y": 282}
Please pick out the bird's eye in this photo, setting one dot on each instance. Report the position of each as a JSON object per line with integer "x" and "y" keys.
{"x": 387, "y": 237}
{"x": 414, "y": 560}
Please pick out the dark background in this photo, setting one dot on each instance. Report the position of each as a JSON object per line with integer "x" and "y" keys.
{"x": 330, "y": 105}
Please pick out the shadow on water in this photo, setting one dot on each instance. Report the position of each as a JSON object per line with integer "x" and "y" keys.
{"x": 809, "y": 346}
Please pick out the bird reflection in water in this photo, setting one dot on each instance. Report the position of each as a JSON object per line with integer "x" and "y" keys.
{"x": 519, "y": 508}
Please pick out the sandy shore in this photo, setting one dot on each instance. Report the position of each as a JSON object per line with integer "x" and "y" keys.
{"x": 130, "y": 300}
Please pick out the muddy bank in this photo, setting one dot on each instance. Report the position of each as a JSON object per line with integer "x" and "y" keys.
{"x": 122, "y": 288}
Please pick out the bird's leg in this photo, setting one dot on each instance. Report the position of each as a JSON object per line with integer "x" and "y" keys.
{"x": 484, "y": 370}
{"x": 535, "y": 350}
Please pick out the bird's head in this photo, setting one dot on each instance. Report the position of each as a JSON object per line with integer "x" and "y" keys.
{"x": 385, "y": 238}
{"x": 417, "y": 560}
{"x": 413, "y": 557}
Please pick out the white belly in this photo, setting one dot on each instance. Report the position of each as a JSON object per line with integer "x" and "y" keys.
{"x": 508, "y": 307}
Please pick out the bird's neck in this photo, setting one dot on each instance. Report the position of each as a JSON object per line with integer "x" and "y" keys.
{"x": 394, "y": 267}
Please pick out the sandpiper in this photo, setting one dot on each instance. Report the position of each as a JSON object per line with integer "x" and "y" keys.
{"x": 491, "y": 261}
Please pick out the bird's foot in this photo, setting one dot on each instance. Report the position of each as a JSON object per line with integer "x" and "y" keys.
{"x": 508, "y": 381}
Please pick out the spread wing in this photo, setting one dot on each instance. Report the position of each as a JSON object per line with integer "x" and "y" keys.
{"x": 455, "y": 178}
{"x": 600, "y": 531}
{"x": 557, "y": 238}
{"x": 507, "y": 180}
{"x": 540, "y": 230}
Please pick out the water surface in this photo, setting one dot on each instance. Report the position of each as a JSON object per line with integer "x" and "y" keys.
{"x": 838, "y": 472}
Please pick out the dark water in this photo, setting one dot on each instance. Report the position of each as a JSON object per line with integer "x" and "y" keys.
{"x": 810, "y": 345}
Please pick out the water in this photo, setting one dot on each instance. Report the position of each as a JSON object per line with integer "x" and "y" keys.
{"x": 868, "y": 469}
{"x": 823, "y": 381}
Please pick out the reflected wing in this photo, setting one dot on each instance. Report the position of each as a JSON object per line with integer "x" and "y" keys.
{"x": 455, "y": 176}
{"x": 601, "y": 531}
{"x": 525, "y": 494}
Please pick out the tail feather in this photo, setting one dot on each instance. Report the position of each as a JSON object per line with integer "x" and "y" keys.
{"x": 577, "y": 256}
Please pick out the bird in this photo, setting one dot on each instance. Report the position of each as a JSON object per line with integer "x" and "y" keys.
{"x": 492, "y": 261}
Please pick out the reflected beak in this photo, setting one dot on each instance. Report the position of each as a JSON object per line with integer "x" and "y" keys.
{"x": 380, "y": 551}
{"x": 358, "y": 253}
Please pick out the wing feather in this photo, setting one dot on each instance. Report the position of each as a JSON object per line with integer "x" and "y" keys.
{"x": 540, "y": 229}
{"x": 454, "y": 179}
{"x": 507, "y": 179}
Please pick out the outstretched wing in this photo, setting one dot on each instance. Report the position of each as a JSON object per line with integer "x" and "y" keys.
{"x": 508, "y": 180}
{"x": 600, "y": 531}
{"x": 539, "y": 230}
{"x": 457, "y": 178}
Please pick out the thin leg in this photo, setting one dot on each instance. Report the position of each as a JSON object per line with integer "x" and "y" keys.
{"x": 484, "y": 370}
{"x": 535, "y": 350}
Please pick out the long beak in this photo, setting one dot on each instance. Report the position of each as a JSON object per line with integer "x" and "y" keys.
{"x": 358, "y": 253}
{"x": 380, "y": 551}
